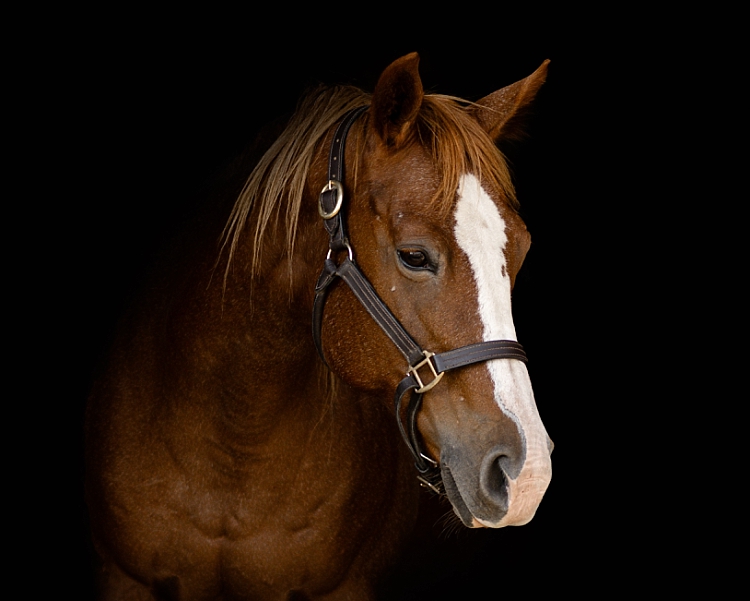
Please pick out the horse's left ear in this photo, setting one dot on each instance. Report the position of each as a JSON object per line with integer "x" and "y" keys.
{"x": 396, "y": 101}
{"x": 501, "y": 114}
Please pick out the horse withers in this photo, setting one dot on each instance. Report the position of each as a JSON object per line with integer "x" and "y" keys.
{"x": 238, "y": 448}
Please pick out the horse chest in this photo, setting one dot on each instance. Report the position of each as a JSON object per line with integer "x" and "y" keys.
{"x": 278, "y": 558}
{"x": 260, "y": 541}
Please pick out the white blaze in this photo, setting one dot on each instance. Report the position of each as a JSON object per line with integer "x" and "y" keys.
{"x": 480, "y": 233}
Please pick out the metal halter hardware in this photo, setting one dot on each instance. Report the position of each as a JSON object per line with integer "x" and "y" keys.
{"x": 433, "y": 365}
{"x": 414, "y": 372}
{"x": 339, "y": 187}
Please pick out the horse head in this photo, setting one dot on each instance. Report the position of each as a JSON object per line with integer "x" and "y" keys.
{"x": 433, "y": 225}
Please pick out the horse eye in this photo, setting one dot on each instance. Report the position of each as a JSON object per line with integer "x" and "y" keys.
{"x": 414, "y": 259}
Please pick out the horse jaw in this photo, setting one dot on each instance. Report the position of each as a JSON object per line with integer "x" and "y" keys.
{"x": 481, "y": 233}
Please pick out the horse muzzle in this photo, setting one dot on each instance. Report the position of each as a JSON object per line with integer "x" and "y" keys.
{"x": 502, "y": 486}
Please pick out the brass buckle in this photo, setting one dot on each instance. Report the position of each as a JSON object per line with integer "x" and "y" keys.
{"x": 331, "y": 185}
{"x": 413, "y": 369}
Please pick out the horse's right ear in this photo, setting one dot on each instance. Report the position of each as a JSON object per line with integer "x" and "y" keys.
{"x": 396, "y": 100}
{"x": 501, "y": 114}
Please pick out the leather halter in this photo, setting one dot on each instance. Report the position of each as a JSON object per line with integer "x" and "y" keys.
{"x": 422, "y": 363}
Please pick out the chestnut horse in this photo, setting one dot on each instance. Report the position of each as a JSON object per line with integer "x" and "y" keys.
{"x": 227, "y": 456}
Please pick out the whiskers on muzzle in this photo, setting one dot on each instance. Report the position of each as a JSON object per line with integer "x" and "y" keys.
{"x": 451, "y": 525}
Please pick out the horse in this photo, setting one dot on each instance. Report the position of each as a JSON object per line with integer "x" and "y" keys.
{"x": 245, "y": 440}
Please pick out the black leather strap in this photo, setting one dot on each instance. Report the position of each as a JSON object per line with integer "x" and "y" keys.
{"x": 370, "y": 300}
{"x": 366, "y": 295}
{"x": 428, "y": 470}
{"x": 325, "y": 279}
{"x": 329, "y": 198}
{"x": 482, "y": 351}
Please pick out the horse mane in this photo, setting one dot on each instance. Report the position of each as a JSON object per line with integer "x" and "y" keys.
{"x": 456, "y": 141}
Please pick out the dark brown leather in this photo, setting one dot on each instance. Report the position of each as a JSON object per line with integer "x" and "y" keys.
{"x": 335, "y": 225}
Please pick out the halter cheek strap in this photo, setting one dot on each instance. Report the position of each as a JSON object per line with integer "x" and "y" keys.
{"x": 426, "y": 369}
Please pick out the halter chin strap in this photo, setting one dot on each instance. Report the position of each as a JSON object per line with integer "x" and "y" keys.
{"x": 426, "y": 369}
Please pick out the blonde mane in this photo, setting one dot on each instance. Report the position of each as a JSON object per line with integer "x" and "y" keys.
{"x": 444, "y": 127}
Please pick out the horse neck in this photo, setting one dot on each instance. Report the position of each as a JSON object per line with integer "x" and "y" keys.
{"x": 253, "y": 334}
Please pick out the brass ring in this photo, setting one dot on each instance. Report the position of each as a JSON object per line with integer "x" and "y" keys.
{"x": 332, "y": 184}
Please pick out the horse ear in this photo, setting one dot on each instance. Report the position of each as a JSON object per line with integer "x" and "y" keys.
{"x": 501, "y": 114}
{"x": 397, "y": 99}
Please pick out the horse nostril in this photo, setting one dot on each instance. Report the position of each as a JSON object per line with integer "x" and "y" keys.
{"x": 493, "y": 479}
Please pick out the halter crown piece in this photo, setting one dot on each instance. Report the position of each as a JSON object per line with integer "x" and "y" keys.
{"x": 421, "y": 363}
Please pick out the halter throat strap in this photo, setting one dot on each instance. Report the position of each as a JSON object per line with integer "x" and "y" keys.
{"x": 426, "y": 369}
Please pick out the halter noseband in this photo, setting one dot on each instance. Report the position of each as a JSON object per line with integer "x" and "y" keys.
{"x": 422, "y": 363}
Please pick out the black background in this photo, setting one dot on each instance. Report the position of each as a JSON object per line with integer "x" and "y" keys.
{"x": 147, "y": 108}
